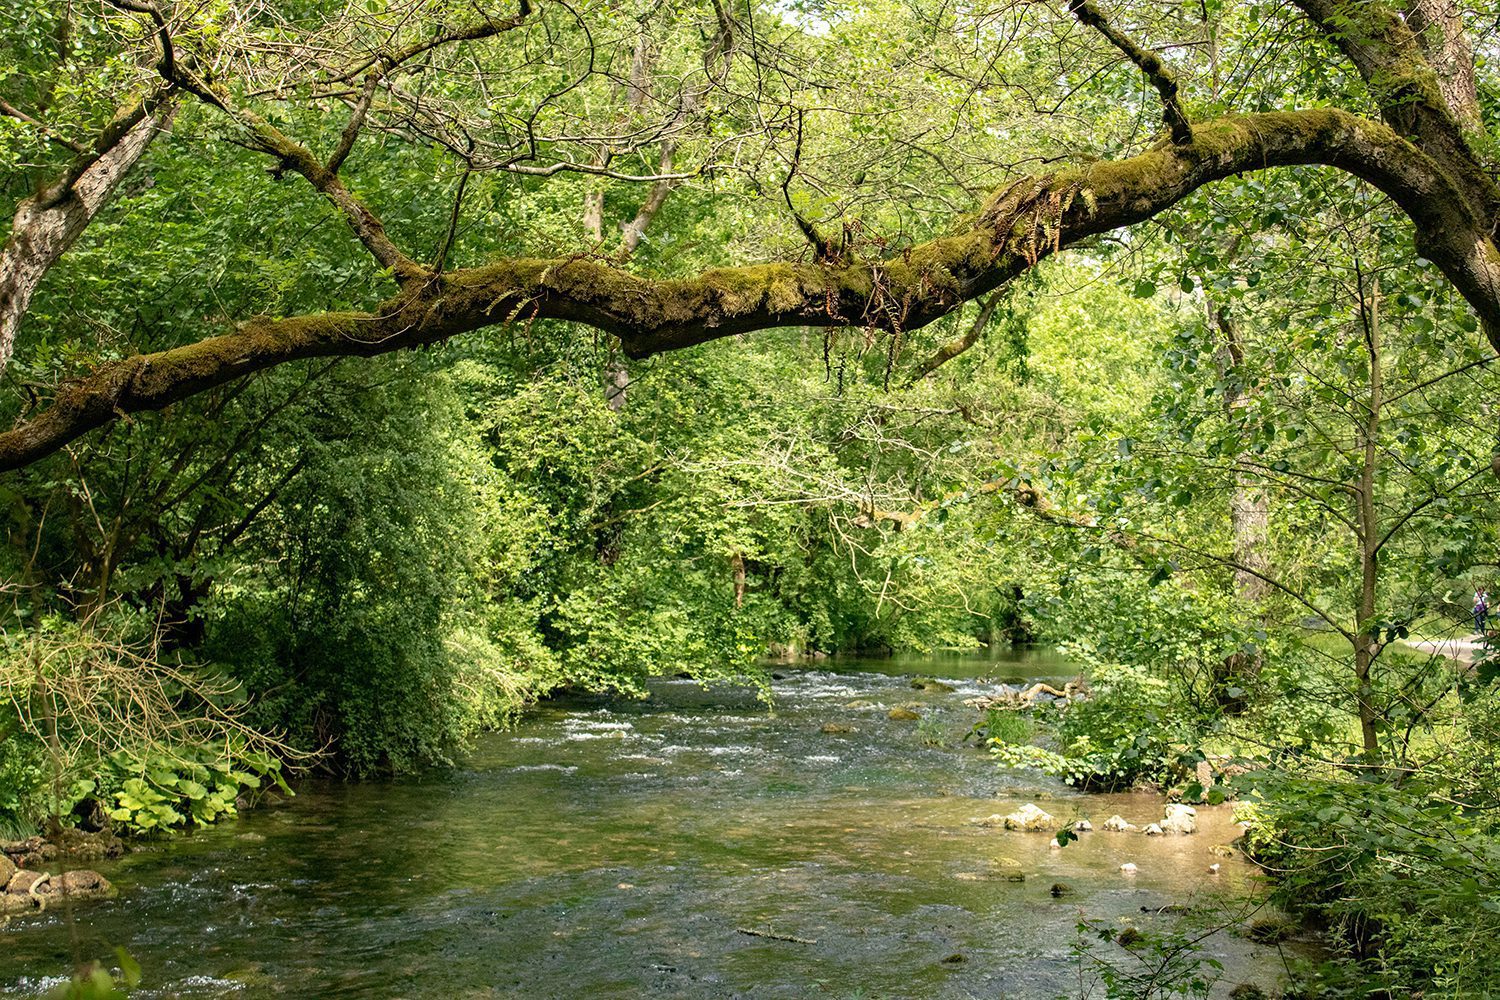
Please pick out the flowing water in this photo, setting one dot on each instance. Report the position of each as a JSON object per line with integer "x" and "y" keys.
{"x": 622, "y": 849}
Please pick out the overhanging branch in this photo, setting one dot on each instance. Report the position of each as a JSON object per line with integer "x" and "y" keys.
{"x": 1019, "y": 226}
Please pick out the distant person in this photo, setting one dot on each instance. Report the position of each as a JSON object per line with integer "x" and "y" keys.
{"x": 1481, "y": 610}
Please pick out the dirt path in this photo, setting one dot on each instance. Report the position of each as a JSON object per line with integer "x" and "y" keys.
{"x": 1461, "y": 649}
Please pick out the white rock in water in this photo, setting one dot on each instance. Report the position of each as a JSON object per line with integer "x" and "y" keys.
{"x": 1180, "y": 819}
{"x": 1128, "y": 868}
{"x": 1083, "y": 826}
{"x": 1153, "y": 830}
{"x": 1054, "y": 846}
{"x": 1029, "y": 817}
{"x": 1117, "y": 824}
{"x": 1213, "y": 869}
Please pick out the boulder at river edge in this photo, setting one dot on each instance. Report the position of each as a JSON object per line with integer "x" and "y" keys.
{"x": 1030, "y": 818}
{"x": 28, "y": 890}
{"x": 1180, "y": 819}
{"x": 23, "y": 888}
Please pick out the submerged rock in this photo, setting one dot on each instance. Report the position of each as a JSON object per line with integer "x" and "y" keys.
{"x": 22, "y": 882}
{"x": 80, "y": 884}
{"x": 1118, "y": 824}
{"x": 1271, "y": 930}
{"x": 30, "y": 890}
{"x": 1180, "y": 819}
{"x": 834, "y": 728}
{"x": 1060, "y": 889}
{"x": 79, "y": 845}
{"x": 1128, "y": 868}
{"x": 1030, "y": 818}
{"x": 903, "y": 715}
{"x": 33, "y": 852}
{"x": 929, "y": 684}
{"x": 83, "y": 845}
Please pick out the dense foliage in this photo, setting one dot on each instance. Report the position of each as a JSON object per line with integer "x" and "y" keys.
{"x": 1236, "y": 461}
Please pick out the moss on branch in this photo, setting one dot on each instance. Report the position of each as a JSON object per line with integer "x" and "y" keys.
{"x": 1019, "y": 225}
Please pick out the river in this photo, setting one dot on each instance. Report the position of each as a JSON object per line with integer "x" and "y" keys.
{"x": 606, "y": 848}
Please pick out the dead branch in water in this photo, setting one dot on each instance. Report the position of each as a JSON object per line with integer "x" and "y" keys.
{"x": 776, "y": 937}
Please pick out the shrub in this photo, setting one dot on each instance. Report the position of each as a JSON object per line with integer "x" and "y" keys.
{"x": 1405, "y": 880}
{"x": 1131, "y": 728}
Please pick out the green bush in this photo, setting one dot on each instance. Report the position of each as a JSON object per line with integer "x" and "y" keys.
{"x": 1406, "y": 881}
{"x": 23, "y": 781}
{"x": 1132, "y": 727}
{"x": 1004, "y": 727}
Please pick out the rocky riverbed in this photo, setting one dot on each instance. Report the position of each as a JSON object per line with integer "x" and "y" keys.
{"x": 700, "y": 843}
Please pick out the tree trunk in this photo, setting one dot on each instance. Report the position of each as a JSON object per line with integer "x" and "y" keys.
{"x": 593, "y": 214}
{"x": 737, "y": 566}
{"x": 637, "y": 93}
{"x": 1439, "y": 27}
{"x": 48, "y": 223}
{"x": 1367, "y": 639}
{"x": 616, "y": 384}
{"x": 1249, "y": 519}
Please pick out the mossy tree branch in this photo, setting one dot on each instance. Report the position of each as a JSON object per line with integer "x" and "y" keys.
{"x": 298, "y": 158}
{"x": 1390, "y": 58}
{"x": 1020, "y": 225}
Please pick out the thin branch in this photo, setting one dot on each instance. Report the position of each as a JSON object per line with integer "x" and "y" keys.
{"x": 960, "y": 344}
{"x": 1146, "y": 61}
{"x": 822, "y": 249}
{"x": 6, "y": 108}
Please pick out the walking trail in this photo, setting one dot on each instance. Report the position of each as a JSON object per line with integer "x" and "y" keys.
{"x": 1462, "y": 649}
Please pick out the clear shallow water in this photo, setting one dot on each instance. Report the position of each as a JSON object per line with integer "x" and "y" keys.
{"x": 608, "y": 849}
